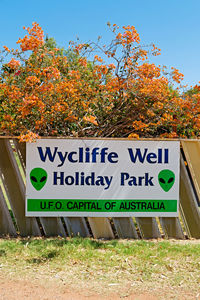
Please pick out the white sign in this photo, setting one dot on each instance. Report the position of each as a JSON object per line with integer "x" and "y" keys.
{"x": 102, "y": 177}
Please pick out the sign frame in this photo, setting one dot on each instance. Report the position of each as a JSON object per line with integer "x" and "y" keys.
{"x": 101, "y": 163}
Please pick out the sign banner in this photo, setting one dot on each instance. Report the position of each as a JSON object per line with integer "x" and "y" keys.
{"x": 102, "y": 178}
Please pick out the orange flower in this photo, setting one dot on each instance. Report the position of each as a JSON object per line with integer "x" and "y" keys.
{"x": 91, "y": 119}
{"x": 13, "y": 64}
{"x": 134, "y": 136}
{"x": 29, "y": 137}
{"x": 6, "y": 48}
{"x": 34, "y": 40}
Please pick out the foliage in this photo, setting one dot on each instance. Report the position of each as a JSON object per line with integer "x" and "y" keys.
{"x": 92, "y": 90}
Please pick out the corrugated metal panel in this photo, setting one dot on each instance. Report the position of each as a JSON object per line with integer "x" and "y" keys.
{"x": 125, "y": 228}
{"x": 101, "y": 228}
{"x": 148, "y": 228}
{"x": 189, "y": 207}
{"x": 15, "y": 190}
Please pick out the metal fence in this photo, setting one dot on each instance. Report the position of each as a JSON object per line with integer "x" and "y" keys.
{"x": 12, "y": 204}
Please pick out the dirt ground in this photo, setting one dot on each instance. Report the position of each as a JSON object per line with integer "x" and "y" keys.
{"x": 20, "y": 289}
{"x": 24, "y": 290}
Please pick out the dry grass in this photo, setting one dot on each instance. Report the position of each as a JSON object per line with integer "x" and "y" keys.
{"x": 106, "y": 266}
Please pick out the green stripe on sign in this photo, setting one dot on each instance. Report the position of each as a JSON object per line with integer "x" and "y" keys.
{"x": 62, "y": 205}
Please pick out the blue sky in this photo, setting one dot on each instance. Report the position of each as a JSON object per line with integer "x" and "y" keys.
{"x": 173, "y": 25}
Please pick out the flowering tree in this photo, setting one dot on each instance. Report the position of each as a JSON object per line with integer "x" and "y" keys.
{"x": 92, "y": 90}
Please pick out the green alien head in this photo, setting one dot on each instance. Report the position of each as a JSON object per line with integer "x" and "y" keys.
{"x": 38, "y": 177}
{"x": 166, "y": 179}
